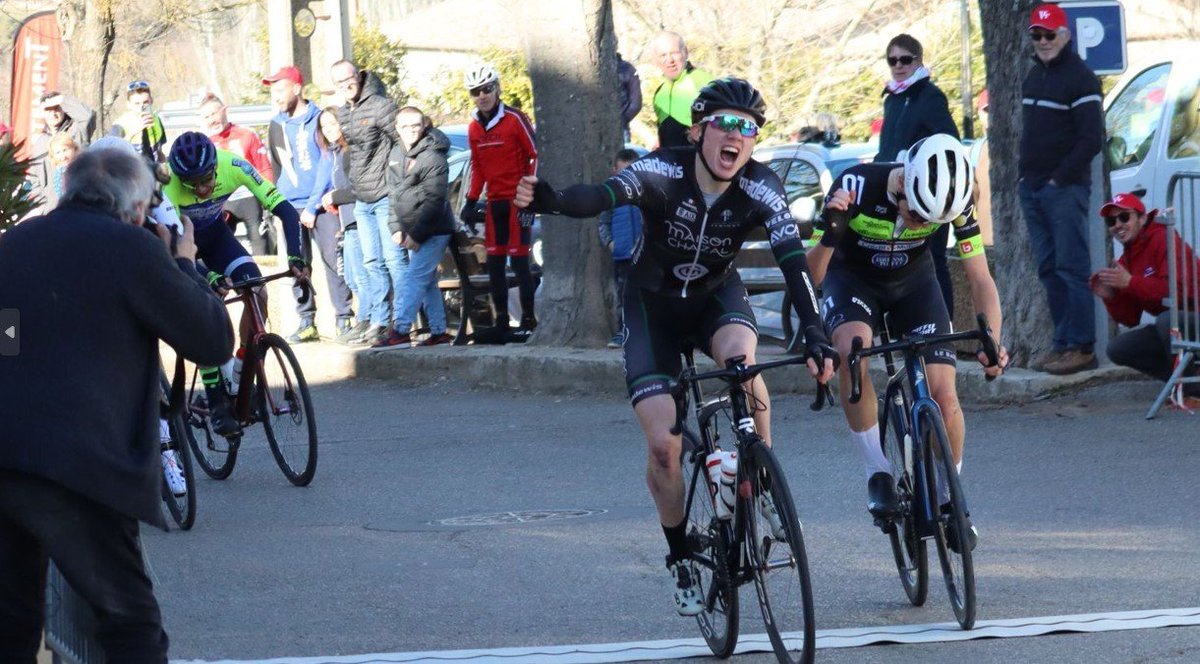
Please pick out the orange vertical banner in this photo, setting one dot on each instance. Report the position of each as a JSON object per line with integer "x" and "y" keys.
{"x": 37, "y": 53}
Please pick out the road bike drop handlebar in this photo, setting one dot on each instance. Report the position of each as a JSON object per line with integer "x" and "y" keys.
{"x": 735, "y": 373}
{"x": 254, "y": 282}
{"x": 914, "y": 343}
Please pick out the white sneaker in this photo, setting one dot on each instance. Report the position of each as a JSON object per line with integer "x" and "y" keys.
{"x": 174, "y": 476}
{"x": 766, "y": 509}
{"x": 687, "y": 588}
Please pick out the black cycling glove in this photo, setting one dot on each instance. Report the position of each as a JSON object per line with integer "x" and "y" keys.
{"x": 818, "y": 346}
{"x": 470, "y": 215}
{"x": 836, "y": 222}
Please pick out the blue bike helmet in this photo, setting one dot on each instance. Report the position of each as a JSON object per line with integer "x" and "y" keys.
{"x": 193, "y": 156}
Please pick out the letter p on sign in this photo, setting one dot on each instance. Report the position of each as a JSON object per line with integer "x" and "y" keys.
{"x": 1090, "y": 33}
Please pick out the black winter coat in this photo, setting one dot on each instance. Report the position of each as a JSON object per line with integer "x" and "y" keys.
{"x": 909, "y": 116}
{"x": 79, "y": 404}
{"x": 1063, "y": 124}
{"x": 369, "y": 126}
{"x": 417, "y": 184}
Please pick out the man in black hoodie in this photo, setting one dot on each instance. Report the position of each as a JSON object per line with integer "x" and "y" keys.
{"x": 368, "y": 121}
{"x": 421, "y": 221}
{"x": 1062, "y": 130}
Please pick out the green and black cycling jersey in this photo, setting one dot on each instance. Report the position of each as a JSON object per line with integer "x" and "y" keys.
{"x": 689, "y": 239}
{"x": 877, "y": 242}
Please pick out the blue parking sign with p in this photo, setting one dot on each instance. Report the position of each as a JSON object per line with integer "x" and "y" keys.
{"x": 1098, "y": 31}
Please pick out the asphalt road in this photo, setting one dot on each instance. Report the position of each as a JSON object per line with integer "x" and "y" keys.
{"x": 1083, "y": 507}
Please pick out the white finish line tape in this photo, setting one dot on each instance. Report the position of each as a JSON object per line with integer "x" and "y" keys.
{"x": 636, "y": 651}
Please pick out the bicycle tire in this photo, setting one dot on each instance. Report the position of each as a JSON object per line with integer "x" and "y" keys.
{"x": 908, "y": 547}
{"x": 958, "y": 569}
{"x": 711, "y": 543}
{"x": 216, "y": 456}
{"x": 181, "y": 508}
{"x": 283, "y": 399}
{"x": 781, "y": 574}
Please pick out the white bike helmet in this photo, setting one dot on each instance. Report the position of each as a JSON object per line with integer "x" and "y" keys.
{"x": 938, "y": 179}
{"x": 480, "y": 76}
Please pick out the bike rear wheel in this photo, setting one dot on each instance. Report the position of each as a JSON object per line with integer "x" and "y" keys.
{"x": 711, "y": 543}
{"x": 908, "y": 547}
{"x": 285, "y": 408}
{"x": 779, "y": 565}
{"x": 958, "y": 568}
{"x": 215, "y": 455}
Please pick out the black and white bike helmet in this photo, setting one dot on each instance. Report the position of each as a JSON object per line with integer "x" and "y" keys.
{"x": 938, "y": 178}
{"x": 480, "y": 75}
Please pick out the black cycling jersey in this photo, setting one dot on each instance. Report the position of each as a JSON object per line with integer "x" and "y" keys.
{"x": 688, "y": 245}
{"x": 877, "y": 243}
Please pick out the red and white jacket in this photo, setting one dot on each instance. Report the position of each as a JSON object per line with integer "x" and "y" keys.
{"x": 1146, "y": 261}
{"x": 245, "y": 143}
{"x": 502, "y": 152}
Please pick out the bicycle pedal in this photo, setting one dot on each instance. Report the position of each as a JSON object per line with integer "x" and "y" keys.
{"x": 888, "y": 526}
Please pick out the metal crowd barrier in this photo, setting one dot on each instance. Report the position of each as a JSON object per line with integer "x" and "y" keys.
{"x": 1183, "y": 299}
{"x": 70, "y": 623}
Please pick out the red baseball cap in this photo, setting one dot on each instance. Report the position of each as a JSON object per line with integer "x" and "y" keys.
{"x": 288, "y": 73}
{"x": 1124, "y": 202}
{"x": 1048, "y": 17}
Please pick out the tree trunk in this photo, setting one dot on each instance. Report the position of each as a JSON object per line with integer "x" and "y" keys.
{"x": 571, "y": 53}
{"x": 1027, "y": 324}
{"x": 89, "y": 32}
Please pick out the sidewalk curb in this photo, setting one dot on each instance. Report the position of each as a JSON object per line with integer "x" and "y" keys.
{"x": 543, "y": 369}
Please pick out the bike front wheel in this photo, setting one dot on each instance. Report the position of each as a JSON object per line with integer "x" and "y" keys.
{"x": 958, "y": 567}
{"x": 908, "y": 547}
{"x": 711, "y": 543}
{"x": 181, "y": 508}
{"x": 284, "y": 406}
{"x": 775, "y": 552}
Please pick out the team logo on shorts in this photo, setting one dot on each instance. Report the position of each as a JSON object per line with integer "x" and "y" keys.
{"x": 689, "y": 271}
{"x": 889, "y": 261}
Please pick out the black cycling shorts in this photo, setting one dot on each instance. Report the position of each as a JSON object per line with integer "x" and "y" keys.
{"x": 914, "y": 305}
{"x": 657, "y": 326}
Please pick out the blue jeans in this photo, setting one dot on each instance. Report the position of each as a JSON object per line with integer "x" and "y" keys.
{"x": 377, "y": 300}
{"x": 354, "y": 272}
{"x": 1056, "y": 218}
{"x": 420, "y": 286}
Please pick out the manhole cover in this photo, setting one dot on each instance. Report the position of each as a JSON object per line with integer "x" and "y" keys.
{"x": 508, "y": 518}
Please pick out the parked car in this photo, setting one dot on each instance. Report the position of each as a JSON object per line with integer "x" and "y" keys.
{"x": 808, "y": 169}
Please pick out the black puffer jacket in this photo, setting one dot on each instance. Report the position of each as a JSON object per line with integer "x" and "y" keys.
{"x": 417, "y": 184}
{"x": 909, "y": 116}
{"x": 369, "y": 126}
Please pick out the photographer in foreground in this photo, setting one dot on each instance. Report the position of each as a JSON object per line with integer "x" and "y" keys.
{"x": 79, "y": 403}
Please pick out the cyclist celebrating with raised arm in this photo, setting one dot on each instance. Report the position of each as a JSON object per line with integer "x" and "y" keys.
{"x": 698, "y": 202}
{"x": 873, "y": 259}
{"x": 202, "y": 179}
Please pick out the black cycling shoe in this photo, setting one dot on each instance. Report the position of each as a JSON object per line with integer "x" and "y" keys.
{"x": 881, "y": 495}
{"x": 952, "y": 532}
{"x": 222, "y": 420}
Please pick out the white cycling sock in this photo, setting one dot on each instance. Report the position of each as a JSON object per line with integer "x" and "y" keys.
{"x": 873, "y": 458}
{"x": 164, "y": 433}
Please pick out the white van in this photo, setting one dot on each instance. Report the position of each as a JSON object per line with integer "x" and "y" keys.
{"x": 1152, "y": 122}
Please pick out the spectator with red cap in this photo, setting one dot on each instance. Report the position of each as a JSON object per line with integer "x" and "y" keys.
{"x": 242, "y": 206}
{"x": 1138, "y": 283}
{"x": 302, "y": 172}
{"x": 1062, "y": 129}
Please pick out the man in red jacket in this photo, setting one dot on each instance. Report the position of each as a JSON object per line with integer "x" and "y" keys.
{"x": 245, "y": 143}
{"x": 502, "y": 152}
{"x": 1137, "y": 283}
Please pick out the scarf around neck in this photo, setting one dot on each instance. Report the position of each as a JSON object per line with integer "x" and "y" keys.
{"x": 896, "y": 87}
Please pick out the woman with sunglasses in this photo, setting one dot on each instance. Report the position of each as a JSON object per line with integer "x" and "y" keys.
{"x": 913, "y": 108}
{"x": 1137, "y": 284}
{"x": 698, "y": 203}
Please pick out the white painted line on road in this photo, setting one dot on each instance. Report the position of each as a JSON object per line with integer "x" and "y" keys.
{"x": 636, "y": 651}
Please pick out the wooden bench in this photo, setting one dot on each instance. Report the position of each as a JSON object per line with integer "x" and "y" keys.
{"x": 464, "y": 272}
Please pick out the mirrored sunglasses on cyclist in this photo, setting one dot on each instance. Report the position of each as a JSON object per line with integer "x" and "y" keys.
{"x": 484, "y": 90}
{"x": 1042, "y": 35}
{"x": 1122, "y": 217}
{"x": 200, "y": 181}
{"x": 905, "y": 60}
{"x": 138, "y": 86}
{"x": 731, "y": 123}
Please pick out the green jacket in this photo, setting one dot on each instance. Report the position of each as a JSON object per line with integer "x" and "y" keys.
{"x": 673, "y": 105}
